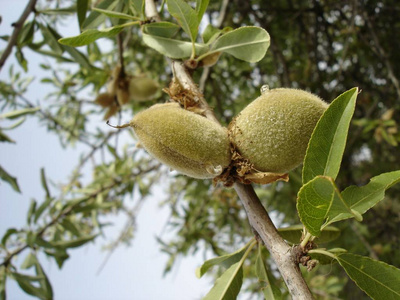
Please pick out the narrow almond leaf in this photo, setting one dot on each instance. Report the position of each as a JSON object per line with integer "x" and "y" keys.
{"x": 114, "y": 14}
{"x": 43, "y": 180}
{"x": 81, "y": 9}
{"x": 95, "y": 18}
{"x": 91, "y": 35}
{"x": 9, "y": 179}
{"x": 5, "y": 138}
{"x": 31, "y": 211}
{"x": 201, "y": 7}
{"x": 186, "y": 17}
{"x": 74, "y": 243}
{"x": 163, "y": 29}
{"x": 377, "y": 279}
{"x": 138, "y": 6}
{"x": 270, "y": 292}
{"x": 172, "y": 48}
{"x": 8, "y": 233}
{"x": 19, "y": 113}
{"x": 293, "y": 234}
{"x": 225, "y": 260}
{"x": 327, "y": 143}
{"x": 247, "y": 43}
{"x": 45, "y": 204}
{"x": 29, "y": 261}
{"x": 228, "y": 286}
{"x": 363, "y": 198}
{"x": 25, "y": 283}
{"x": 319, "y": 201}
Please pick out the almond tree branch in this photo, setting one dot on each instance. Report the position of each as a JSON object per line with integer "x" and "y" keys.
{"x": 259, "y": 219}
{"x": 17, "y": 28}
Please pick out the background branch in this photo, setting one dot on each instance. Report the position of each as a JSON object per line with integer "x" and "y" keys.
{"x": 17, "y": 28}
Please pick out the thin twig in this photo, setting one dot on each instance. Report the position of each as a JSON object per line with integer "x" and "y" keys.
{"x": 17, "y": 28}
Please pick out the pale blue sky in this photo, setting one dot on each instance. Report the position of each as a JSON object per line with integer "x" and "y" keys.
{"x": 131, "y": 273}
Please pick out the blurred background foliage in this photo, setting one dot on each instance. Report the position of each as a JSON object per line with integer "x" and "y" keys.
{"x": 325, "y": 47}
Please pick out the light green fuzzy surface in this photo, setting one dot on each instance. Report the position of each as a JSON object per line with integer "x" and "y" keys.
{"x": 273, "y": 131}
{"x": 182, "y": 140}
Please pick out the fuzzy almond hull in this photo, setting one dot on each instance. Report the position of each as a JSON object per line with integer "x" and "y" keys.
{"x": 183, "y": 140}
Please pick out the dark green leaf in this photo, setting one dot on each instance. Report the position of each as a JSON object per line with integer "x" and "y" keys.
{"x": 8, "y": 233}
{"x": 31, "y": 211}
{"x": 21, "y": 59}
{"x": 378, "y": 279}
{"x": 228, "y": 286}
{"x": 5, "y": 138}
{"x": 26, "y": 34}
{"x": 81, "y": 9}
{"x": 138, "y": 6}
{"x": 186, "y": 17}
{"x": 172, "y": 48}
{"x": 293, "y": 234}
{"x": 246, "y": 43}
{"x": 319, "y": 202}
{"x": 163, "y": 29}
{"x": 71, "y": 227}
{"x": 327, "y": 143}
{"x": 45, "y": 204}
{"x": 25, "y": 283}
{"x": 363, "y": 198}
{"x": 9, "y": 179}
{"x": 60, "y": 256}
{"x": 44, "y": 182}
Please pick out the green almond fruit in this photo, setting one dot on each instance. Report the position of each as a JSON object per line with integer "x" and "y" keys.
{"x": 183, "y": 140}
{"x": 143, "y": 88}
{"x": 273, "y": 131}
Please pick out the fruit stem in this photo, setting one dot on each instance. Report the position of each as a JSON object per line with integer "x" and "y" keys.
{"x": 118, "y": 126}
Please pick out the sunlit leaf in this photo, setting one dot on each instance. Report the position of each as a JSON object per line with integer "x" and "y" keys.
{"x": 186, "y": 17}
{"x": 95, "y": 18}
{"x": 172, "y": 48}
{"x": 228, "y": 286}
{"x": 327, "y": 143}
{"x": 201, "y": 7}
{"x": 19, "y": 113}
{"x": 246, "y": 43}
{"x": 376, "y": 278}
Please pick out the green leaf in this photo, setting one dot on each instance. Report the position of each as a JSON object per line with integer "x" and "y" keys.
{"x": 114, "y": 14}
{"x": 25, "y": 283}
{"x": 19, "y": 113}
{"x": 60, "y": 255}
{"x": 51, "y": 39}
{"x": 246, "y": 43}
{"x": 138, "y": 6}
{"x": 326, "y": 257}
{"x": 21, "y": 59}
{"x": 327, "y": 143}
{"x": 9, "y": 179}
{"x": 270, "y": 292}
{"x": 31, "y": 211}
{"x": 318, "y": 201}
{"x": 293, "y": 234}
{"x": 71, "y": 227}
{"x": 29, "y": 261}
{"x": 225, "y": 260}
{"x": 95, "y": 18}
{"x": 5, "y": 138}
{"x": 44, "y": 182}
{"x": 3, "y": 279}
{"x": 26, "y": 35}
{"x": 228, "y": 285}
{"x": 362, "y": 198}
{"x": 210, "y": 34}
{"x": 45, "y": 204}
{"x": 378, "y": 279}
{"x": 81, "y": 9}
{"x": 186, "y": 17}
{"x": 201, "y": 7}
{"x": 75, "y": 243}
{"x": 172, "y": 48}
{"x": 90, "y": 35}
{"x": 8, "y": 233}
{"x": 163, "y": 29}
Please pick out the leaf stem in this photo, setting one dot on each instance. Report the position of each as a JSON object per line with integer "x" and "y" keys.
{"x": 305, "y": 240}
{"x": 324, "y": 252}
